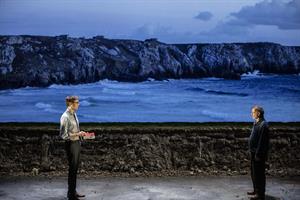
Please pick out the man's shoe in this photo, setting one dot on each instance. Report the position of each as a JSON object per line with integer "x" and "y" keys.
{"x": 251, "y": 193}
{"x": 79, "y": 195}
{"x": 256, "y": 197}
{"x": 73, "y": 198}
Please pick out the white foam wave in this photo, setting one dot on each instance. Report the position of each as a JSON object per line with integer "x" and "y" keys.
{"x": 255, "y": 73}
{"x": 118, "y": 92}
{"x": 215, "y": 114}
{"x": 108, "y": 81}
{"x": 85, "y": 103}
{"x": 46, "y": 107}
{"x": 212, "y": 79}
{"x": 56, "y": 86}
{"x": 151, "y": 79}
{"x": 43, "y": 105}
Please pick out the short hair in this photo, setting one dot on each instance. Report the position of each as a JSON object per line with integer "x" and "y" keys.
{"x": 71, "y": 99}
{"x": 260, "y": 110}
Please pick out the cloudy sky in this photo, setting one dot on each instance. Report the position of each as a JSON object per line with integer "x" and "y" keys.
{"x": 171, "y": 21}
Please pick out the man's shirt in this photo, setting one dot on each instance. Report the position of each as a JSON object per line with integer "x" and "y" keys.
{"x": 68, "y": 124}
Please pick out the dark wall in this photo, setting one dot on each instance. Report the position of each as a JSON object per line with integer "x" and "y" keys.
{"x": 199, "y": 148}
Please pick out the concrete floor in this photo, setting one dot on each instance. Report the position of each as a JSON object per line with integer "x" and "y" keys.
{"x": 167, "y": 188}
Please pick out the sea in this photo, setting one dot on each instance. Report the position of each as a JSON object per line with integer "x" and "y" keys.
{"x": 183, "y": 100}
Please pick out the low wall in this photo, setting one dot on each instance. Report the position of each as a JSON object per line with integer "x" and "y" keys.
{"x": 139, "y": 149}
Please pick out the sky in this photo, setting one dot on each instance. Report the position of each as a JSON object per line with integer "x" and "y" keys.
{"x": 170, "y": 21}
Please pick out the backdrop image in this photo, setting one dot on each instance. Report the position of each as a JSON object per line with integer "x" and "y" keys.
{"x": 149, "y": 99}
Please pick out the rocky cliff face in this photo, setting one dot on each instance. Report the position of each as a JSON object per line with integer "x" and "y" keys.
{"x": 42, "y": 60}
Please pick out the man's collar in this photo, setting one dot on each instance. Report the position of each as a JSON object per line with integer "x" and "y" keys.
{"x": 70, "y": 111}
{"x": 259, "y": 121}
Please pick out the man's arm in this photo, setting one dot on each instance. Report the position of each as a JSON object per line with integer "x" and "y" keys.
{"x": 64, "y": 131}
{"x": 75, "y": 136}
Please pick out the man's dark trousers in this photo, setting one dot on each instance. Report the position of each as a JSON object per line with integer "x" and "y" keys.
{"x": 258, "y": 175}
{"x": 73, "y": 154}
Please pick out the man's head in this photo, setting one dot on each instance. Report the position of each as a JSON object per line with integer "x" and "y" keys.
{"x": 72, "y": 102}
{"x": 257, "y": 112}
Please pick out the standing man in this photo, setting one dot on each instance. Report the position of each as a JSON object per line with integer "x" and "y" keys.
{"x": 258, "y": 145}
{"x": 70, "y": 132}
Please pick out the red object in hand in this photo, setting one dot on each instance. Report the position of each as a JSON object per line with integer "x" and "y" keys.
{"x": 88, "y": 135}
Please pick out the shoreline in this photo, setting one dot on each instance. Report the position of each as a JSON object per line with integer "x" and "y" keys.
{"x": 247, "y": 75}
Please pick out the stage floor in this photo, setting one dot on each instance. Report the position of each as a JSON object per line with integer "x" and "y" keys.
{"x": 141, "y": 188}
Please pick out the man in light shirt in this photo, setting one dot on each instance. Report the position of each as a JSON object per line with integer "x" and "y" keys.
{"x": 70, "y": 132}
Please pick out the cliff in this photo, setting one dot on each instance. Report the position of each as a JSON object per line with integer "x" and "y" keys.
{"x": 42, "y": 60}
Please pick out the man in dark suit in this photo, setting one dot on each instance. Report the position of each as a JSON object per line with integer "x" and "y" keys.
{"x": 258, "y": 145}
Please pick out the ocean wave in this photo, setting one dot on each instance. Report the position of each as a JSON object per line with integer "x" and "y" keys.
{"x": 150, "y": 79}
{"x": 108, "y": 82}
{"x": 5, "y": 92}
{"x": 214, "y": 114}
{"x": 93, "y": 100}
{"x": 93, "y": 118}
{"x": 57, "y": 86}
{"x": 43, "y": 105}
{"x": 46, "y": 107}
{"x": 227, "y": 93}
{"x": 116, "y": 101}
{"x": 213, "y": 79}
{"x": 197, "y": 89}
{"x": 118, "y": 91}
{"x": 85, "y": 103}
{"x": 119, "y": 86}
{"x": 100, "y": 82}
{"x": 292, "y": 90}
{"x": 26, "y": 91}
{"x": 216, "y": 92}
{"x": 70, "y": 86}
{"x": 255, "y": 73}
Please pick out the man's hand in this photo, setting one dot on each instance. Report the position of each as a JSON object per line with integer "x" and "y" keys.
{"x": 75, "y": 136}
{"x": 81, "y": 133}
